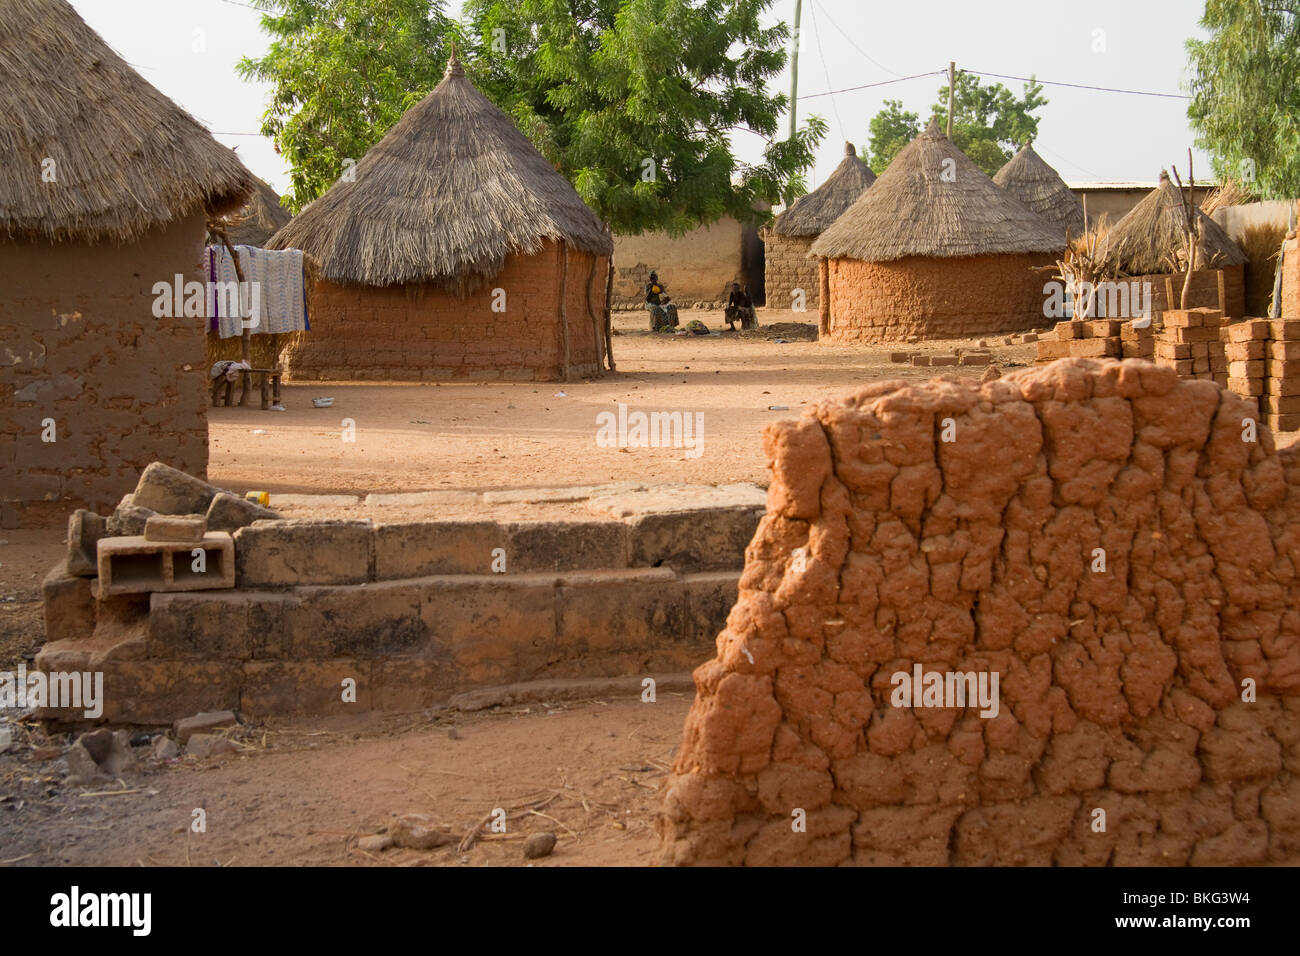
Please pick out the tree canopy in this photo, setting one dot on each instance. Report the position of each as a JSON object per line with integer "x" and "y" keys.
{"x": 634, "y": 101}
{"x": 989, "y": 122}
{"x": 1245, "y": 105}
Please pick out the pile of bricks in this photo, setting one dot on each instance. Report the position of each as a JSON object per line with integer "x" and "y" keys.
{"x": 1264, "y": 364}
{"x": 929, "y": 359}
{"x": 1191, "y": 343}
{"x": 1096, "y": 338}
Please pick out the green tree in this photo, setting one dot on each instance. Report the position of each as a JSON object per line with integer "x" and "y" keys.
{"x": 343, "y": 72}
{"x": 1245, "y": 105}
{"x": 635, "y": 102}
{"x": 989, "y": 123}
{"x": 890, "y": 130}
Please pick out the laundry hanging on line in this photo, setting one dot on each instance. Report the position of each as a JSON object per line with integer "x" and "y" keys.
{"x": 281, "y": 296}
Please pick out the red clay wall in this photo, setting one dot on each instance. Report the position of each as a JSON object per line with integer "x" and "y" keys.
{"x": 362, "y": 332}
{"x": 1121, "y": 689}
{"x": 786, "y": 267}
{"x": 935, "y": 298}
{"x": 1223, "y": 289}
{"x": 1291, "y": 278}
{"x": 79, "y": 343}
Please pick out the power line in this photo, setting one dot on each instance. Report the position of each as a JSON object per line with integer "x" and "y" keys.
{"x": 1079, "y": 86}
{"x": 867, "y": 86}
{"x": 855, "y": 46}
{"x": 839, "y": 125}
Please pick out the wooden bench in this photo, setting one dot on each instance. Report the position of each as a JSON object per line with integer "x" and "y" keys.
{"x": 268, "y": 380}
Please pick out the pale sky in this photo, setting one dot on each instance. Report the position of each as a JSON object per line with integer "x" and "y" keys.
{"x": 189, "y": 48}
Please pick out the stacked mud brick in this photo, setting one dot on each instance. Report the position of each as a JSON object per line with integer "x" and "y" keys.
{"x": 1264, "y": 364}
{"x": 1096, "y": 338}
{"x": 1191, "y": 344}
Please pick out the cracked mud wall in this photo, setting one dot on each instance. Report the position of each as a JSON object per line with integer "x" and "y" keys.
{"x": 1120, "y": 690}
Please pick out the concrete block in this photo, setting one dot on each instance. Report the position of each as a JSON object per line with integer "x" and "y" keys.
{"x": 164, "y": 489}
{"x": 303, "y": 551}
{"x": 1283, "y": 387}
{"x": 127, "y": 519}
{"x": 355, "y": 622}
{"x": 1283, "y": 368}
{"x": 408, "y": 686}
{"x": 565, "y": 545}
{"x": 900, "y": 357}
{"x": 620, "y": 611}
{"x": 710, "y": 540}
{"x": 161, "y": 692}
{"x": 1094, "y": 348}
{"x": 422, "y": 548}
{"x": 493, "y": 628}
{"x": 200, "y": 626}
{"x": 310, "y": 688}
{"x": 709, "y": 599}
{"x": 68, "y": 605}
{"x": 186, "y": 727}
{"x": 1183, "y": 318}
{"x": 1246, "y": 386}
{"x": 1246, "y": 369}
{"x": 132, "y": 565}
{"x": 1102, "y": 328}
{"x": 1069, "y": 330}
{"x": 85, "y": 528}
{"x": 229, "y": 512}
{"x": 189, "y": 529}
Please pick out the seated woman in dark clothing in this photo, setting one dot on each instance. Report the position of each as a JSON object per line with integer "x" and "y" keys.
{"x": 740, "y": 308}
{"x": 656, "y": 299}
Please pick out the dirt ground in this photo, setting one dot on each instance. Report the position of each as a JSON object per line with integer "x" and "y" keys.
{"x": 304, "y": 793}
{"x": 412, "y": 437}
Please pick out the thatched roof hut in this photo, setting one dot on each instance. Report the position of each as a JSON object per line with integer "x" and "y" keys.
{"x": 443, "y": 198}
{"x": 262, "y": 217}
{"x": 453, "y": 249}
{"x": 812, "y": 213}
{"x": 1149, "y": 239}
{"x": 790, "y": 276}
{"x": 1028, "y": 177}
{"x": 933, "y": 249}
{"x": 105, "y": 185}
{"x": 88, "y": 149}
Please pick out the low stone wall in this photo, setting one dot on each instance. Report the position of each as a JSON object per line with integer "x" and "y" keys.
{"x": 411, "y": 612}
{"x": 1116, "y": 545}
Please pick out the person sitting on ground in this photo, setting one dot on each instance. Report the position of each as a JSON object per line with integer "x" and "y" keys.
{"x": 740, "y": 308}
{"x": 670, "y": 310}
{"x": 654, "y": 296}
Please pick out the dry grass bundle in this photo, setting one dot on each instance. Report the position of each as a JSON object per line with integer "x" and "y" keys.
{"x": 1262, "y": 243}
{"x": 1152, "y": 236}
{"x": 934, "y": 201}
{"x": 444, "y": 197}
{"x": 809, "y": 215}
{"x": 259, "y": 219}
{"x": 1228, "y": 193}
{"x": 124, "y": 158}
{"x": 1036, "y": 184}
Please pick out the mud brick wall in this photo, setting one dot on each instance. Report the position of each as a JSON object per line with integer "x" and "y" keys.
{"x": 786, "y": 267}
{"x": 1222, "y": 289}
{"x": 413, "y": 333}
{"x": 1191, "y": 343}
{"x": 1290, "y": 298}
{"x": 1264, "y": 367}
{"x": 1120, "y": 689}
{"x": 934, "y": 298}
{"x": 79, "y": 343}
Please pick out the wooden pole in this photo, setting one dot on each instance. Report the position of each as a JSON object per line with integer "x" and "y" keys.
{"x": 794, "y": 68}
{"x": 952, "y": 82}
{"x": 609, "y": 316}
{"x": 823, "y": 298}
{"x": 564, "y": 315}
{"x": 245, "y": 341}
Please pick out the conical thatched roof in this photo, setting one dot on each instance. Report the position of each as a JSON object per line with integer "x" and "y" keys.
{"x": 263, "y": 217}
{"x": 1148, "y": 239}
{"x": 933, "y": 201}
{"x": 444, "y": 197}
{"x": 810, "y": 214}
{"x": 124, "y": 157}
{"x": 1028, "y": 177}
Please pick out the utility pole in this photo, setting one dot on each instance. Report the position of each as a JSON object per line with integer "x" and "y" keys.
{"x": 794, "y": 67}
{"x": 952, "y": 82}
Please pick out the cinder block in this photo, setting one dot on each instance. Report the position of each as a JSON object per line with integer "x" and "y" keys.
{"x": 1246, "y": 386}
{"x": 132, "y": 565}
{"x": 68, "y": 605}
{"x": 422, "y": 548}
{"x": 381, "y": 619}
{"x": 620, "y": 611}
{"x": 200, "y": 626}
{"x": 303, "y": 551}
{"x": 496, "y": 628}
{"x": 310, "y": 688}
{"x": 566, "y": 545}
{"x": 188, "y": 529}
{"x": 229, "y": 512}
{"x": 712, "y": 539}
{"x": 1249, "y": 351}
{"x": 85, "y": 528}
{"x": 167, "y": 491}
